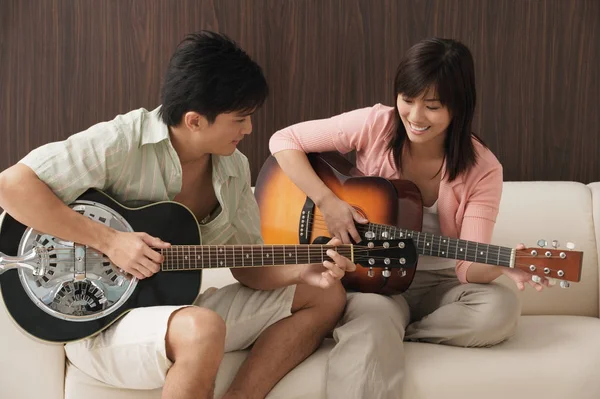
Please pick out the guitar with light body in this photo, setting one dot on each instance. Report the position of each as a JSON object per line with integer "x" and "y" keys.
{"x": 395, "y": 211}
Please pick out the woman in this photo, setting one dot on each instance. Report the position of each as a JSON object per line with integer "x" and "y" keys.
{"x": 426, "y": 139}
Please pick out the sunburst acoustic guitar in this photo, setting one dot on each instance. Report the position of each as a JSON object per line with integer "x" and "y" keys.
{"x": 394, "y": 209}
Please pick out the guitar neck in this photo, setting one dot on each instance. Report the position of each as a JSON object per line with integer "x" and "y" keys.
{"x": 445, "y": 247}
{"x": 196, "y": 257}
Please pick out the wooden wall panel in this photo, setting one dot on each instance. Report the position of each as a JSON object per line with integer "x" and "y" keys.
{"x": 65, "y": 65}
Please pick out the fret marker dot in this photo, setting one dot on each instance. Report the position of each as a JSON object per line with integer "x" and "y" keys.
{"x": 247, "y": 256}
{"x": 221, "y": 263}
{"x": 198, "y": 257}
{"x": 461, "y": 250}
{"x": 267, "y": 255}
{"x": 427, "y": 244}
{"x": 443, "y": 252}
{"x": 289, "y": 254}
{"x": 444, "y": 241}
{"x": 481, "y": 253}
{"x": 220, "y": 249}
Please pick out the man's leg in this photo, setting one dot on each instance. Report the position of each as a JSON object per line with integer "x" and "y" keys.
{"x": 285, "y": 344}
{"x": 195, "y": 344}
{"x": 177, "y": 348}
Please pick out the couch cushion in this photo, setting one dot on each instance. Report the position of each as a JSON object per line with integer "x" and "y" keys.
{"x": 28, "y": 367}
{"x": 561, "y": 211}
{"x": 549, "y": 357}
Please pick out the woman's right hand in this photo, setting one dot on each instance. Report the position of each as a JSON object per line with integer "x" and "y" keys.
{"x": 340, "y": 217}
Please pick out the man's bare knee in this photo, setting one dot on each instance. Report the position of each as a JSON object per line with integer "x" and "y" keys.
{"x": 330, "y": 302}
{"x": 192, "y": 330}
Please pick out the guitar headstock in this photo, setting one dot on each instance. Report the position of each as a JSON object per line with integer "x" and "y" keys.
{"x": 389, "y": 254}
{"x": 551, "y": 263}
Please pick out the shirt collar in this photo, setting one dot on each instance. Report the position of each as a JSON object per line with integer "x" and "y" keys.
{"x": 154, "y": 129}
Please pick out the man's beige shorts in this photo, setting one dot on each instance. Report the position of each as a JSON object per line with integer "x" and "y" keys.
{"x": 131, "y": 353}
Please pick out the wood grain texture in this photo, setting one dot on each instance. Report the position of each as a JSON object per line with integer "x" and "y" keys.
{"x": 66, "y": 65}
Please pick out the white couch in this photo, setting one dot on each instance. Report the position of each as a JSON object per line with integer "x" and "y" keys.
{"x": 555, "y": 353}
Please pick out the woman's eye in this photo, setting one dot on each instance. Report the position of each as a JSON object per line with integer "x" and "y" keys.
{"x": 433, "y": 108}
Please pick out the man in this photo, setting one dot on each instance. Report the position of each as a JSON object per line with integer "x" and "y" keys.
{"x": 185, "y": 150}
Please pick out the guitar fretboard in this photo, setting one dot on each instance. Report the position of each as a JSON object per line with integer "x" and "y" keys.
{"x": 446, "y": 247}
{"x": 193, "y": 257}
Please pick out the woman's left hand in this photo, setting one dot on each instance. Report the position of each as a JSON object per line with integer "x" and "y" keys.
{"x": 521, "y": 278}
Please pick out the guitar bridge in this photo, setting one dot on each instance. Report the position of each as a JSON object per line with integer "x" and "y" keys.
{"x": 304, "y": 224}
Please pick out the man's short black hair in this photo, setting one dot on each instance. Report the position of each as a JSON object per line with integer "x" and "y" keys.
{"x": 210, "y": 74}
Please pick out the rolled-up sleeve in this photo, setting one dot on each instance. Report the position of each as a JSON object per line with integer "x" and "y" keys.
{"x": 342, "y": 133}
{"x": 480, "y": 214}
{"x": 89, "y": 159}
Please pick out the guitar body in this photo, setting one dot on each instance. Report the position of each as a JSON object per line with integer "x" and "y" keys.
{"x": 169, "y": 221}
{"x": 389, "y": 202}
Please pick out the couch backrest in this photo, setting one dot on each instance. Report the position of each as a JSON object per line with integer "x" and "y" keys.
{"x": 561, "y": 211}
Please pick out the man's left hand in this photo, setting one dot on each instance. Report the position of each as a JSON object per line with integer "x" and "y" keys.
{"x": 326, "y": 274}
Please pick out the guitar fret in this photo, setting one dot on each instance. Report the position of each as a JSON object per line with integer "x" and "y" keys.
{"x": 498, "y": 261}
{"x": 487, "y": 252}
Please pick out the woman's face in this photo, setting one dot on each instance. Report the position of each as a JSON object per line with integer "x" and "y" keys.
{"x": 424, "y": 117}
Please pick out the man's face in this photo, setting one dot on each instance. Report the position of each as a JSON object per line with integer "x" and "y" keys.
{"x": 220, "y": 137}
{"x": 225, "y": 133}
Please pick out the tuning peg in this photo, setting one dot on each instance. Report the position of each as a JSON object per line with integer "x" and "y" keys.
{"x": 536, "y": 279}
{"x": 555, "y": 244}
{"x": 564, "y": 284}
{"x": 542, "y": 243}
{"x": 570, "y": 245}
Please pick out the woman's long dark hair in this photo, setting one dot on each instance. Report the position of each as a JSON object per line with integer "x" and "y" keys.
{"x": 446, "y": 66}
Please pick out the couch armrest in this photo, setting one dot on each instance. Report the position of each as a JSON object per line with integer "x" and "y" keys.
{"x": 595, "y": 188}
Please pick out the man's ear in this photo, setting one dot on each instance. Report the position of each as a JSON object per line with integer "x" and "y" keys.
{"x": 194, "y": 121}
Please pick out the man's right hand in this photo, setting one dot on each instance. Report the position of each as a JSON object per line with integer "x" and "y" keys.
{"x": 133, "y": 253}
